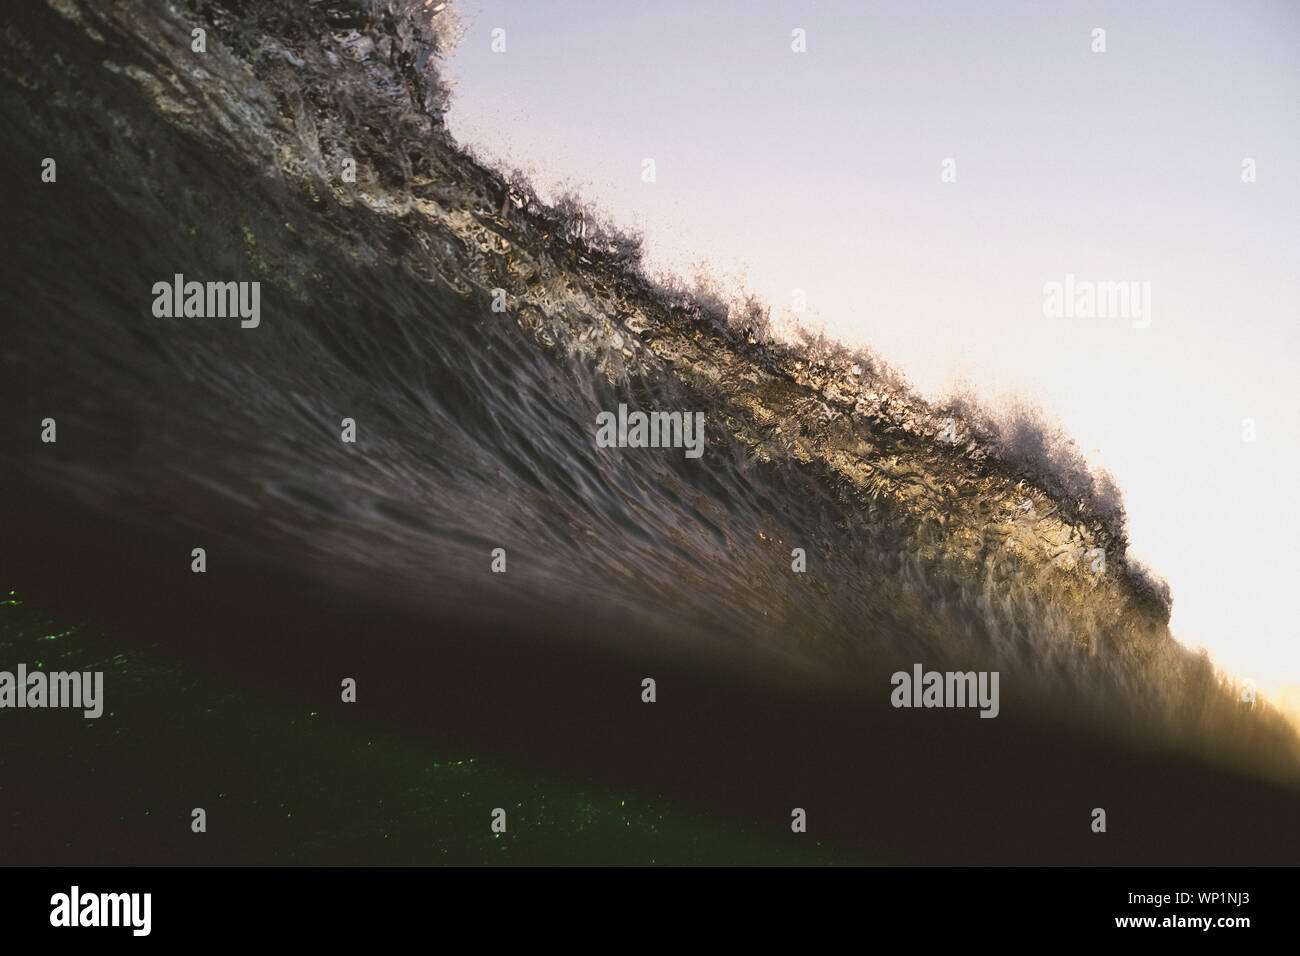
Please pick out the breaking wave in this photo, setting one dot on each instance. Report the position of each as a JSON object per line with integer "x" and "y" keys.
{"x": 932, "y": 533}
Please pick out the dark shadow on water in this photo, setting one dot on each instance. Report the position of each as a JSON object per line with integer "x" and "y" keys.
{"x": 902, "y": 786}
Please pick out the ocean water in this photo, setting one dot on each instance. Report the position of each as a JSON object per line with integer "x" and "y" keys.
{"x": 474, "y": 337}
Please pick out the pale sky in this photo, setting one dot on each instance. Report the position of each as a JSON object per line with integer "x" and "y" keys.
{"x": 821, "y": 171}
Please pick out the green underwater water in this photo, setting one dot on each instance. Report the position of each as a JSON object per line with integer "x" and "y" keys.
{"x": 284, "y": 785}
